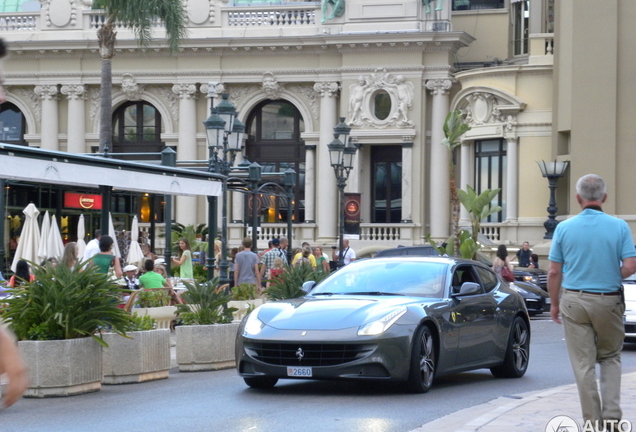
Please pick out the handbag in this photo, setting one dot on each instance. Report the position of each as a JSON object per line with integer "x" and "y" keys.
{"x": 506, "y": 274}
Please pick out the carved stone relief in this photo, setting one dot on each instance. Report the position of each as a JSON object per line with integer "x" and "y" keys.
{"x": 27, "y": 96}
{"x": 310, "y": 96}
{"x": 130, "y": 88}
{"x": 74, "y": 91}
{"x": 169, "y": 97}
{"x": 271, "y": 86}
{"x": 483, "y": 108}
{"x": 363, "y": 95}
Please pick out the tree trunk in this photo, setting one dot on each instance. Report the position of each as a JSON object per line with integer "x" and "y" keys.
{"x": 106, "y": 37}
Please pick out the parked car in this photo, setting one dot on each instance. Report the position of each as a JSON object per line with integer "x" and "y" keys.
{"x": 534, "y": 293}
{"x": 406, "y": 319}
{"x": 629, "y": 286}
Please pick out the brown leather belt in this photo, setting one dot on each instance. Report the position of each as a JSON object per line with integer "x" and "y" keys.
{"x": 613, "y": 293}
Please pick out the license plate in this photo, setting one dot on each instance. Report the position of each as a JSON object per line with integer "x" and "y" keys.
{"x": 299, "y": 372}
{"x": 547, "y": 300}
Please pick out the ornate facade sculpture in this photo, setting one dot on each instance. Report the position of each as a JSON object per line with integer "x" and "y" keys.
{"x": 271, "y": 87}
{"x": 131, "y": 89}
{"x": 361, "y": 100}
{"x": 481, "y": 107}
{"x": 337, "y": 9}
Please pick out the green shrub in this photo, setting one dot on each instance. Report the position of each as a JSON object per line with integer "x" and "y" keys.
{"x": 244, "y": 291}
{"x": 289, "y": 283}
{"x": 66, "y": 303}
{"x": 142, "y": 323}
{"x": 205, "y": 304}
{"x": 153, "y": 298}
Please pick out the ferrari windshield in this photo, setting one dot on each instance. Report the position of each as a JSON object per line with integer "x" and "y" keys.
{"x": 375, "y": 277}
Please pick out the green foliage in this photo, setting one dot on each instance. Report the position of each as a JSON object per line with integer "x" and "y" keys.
{"x": 153, "y": 298}
{"x": 479, "y": 207}
{"x": 454, "y": 128}
{"x": 66, "y": 303}
{"x": 467, "y": 245}
{"x": 206, "y": 303}
{"x": 289, "y": 283}
{"x": 190, "y": 233}
{"x": 142, "y": 323}
{"x": 244, "y": 291}
{"x": 140, "y": 17}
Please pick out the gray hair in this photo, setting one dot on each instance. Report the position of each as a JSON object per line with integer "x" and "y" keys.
{"x": 591, "y": 187}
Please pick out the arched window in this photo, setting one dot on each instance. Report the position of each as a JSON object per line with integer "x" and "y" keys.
{"x": 137, "y": 129}
{"x": 12, "y": 124}
{"x": 274, "y": 129}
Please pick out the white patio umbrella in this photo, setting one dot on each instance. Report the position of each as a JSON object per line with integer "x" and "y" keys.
{"x": 135, "y": 254}
{"x": 55, "y": 245}
{"x": 111, "y": 232}
{"x": 44, "y": 235}
{"x": 81, "y": 233}
{"x": 29, "y": 238}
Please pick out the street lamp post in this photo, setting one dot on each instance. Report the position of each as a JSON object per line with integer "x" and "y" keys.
{"x": 341, "y": 155}
{"x": 289, "y": 182}
{"x": 553, "y": 171}
{"x": 224, "y": 135}
{"x": 254, "y": 176}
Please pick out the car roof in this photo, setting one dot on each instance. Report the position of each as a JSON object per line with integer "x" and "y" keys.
{"x": 446, "y": 260}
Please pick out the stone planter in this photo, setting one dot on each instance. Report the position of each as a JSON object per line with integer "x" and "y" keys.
{"x": 164, "y": 315}
{"x": 62, "y": 367}
{"x": 243, "y": 307}
{"x": 143, "y": 357}
{"x": 206, "y": 347}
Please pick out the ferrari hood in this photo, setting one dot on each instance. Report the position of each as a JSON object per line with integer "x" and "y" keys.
{"x": 326, "y": 313}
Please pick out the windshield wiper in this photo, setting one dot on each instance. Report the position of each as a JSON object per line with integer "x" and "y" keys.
{"x": 323, "y": 293}
{"x": 374, "y": 293}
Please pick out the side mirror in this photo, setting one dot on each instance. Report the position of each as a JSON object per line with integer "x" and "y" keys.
{"x": 468, "y": 288}
{"x": 308, "y": 286}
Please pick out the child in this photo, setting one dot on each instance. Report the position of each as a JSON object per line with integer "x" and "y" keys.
{"x": 276, "y": 271}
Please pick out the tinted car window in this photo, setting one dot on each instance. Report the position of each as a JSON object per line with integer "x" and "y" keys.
{"x": 488, "y": 278}
{"x": 411, "y": 250}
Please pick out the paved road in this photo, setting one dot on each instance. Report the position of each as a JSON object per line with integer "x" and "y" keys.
{"x": 219, "y": 401}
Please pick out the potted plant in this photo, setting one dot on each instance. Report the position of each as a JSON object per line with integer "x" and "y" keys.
{"x": 58, "y": 320}
{"x": 206, "y": 338}
{"x": 144, "y": 355}
{"x": 244, "y": 300}
{"x": 289, "y": 283}
{"x": 155, "y": 303}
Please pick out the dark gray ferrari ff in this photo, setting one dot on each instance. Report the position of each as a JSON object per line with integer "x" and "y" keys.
{"x": 405, "y": 319}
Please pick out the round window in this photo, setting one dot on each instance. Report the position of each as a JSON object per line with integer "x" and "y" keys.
{"x": 381, "y": 105}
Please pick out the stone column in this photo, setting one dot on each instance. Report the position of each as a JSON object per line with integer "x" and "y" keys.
{"x": 439, "y": 191}
{"x": 49, "y": 130}
{"x": 327, "y": 217}
{"x": 76, "y": 134}
{"x": 512, "y": 179}
{"x": 407, "y": 179}
{"x": 464, "y": 179}
{"x": 310, "y": 183}
{"x": 186, "y": 207}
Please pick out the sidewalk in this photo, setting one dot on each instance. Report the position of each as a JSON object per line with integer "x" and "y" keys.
{"x": 528, "y": 412}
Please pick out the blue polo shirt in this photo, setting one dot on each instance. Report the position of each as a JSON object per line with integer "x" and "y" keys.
{"x": 591, "y": 247}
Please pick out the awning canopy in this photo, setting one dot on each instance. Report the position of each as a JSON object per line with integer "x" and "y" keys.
{"x": 45, "y": 166}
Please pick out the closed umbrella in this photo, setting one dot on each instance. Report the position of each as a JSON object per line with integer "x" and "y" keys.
{"x": 81, "y": 233}
{"x": 43, "y": 253}
{"x": 55, "y": 247}
{"x": 135, "y": 254}
{"x": 111, "y": 232}
{"x": 29, "y": 238}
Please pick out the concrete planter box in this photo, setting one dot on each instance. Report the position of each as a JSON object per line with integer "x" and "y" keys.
{"x": 144, "y": 357}
{"x": 62, "y": 367}
{"x": 243, "y": 306}
{"x": 164, "y": 315}
{"x": 206, "y": 347}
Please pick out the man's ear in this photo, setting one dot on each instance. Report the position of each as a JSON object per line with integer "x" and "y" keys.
{"x": 579, "y": 199}
{"x": 604, "y": 198}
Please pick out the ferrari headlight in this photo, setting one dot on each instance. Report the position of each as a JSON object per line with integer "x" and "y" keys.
{"x": 381, "y": 325}
{"x": 531, "y": 279}
{"x": 253, "y": 325}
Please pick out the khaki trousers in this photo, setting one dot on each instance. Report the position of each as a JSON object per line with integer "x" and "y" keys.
{"x": 594, "y": 333}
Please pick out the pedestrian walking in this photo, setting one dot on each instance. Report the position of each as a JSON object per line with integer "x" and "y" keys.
{"x": 591, "y": 254}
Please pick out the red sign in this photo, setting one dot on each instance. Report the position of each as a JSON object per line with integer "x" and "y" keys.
{"x": 82, "y": 201}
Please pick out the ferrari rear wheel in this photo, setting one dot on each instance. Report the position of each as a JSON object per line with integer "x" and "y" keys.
{"x": 260, "y": 382}
{"x": 422, "y": 361}
{"x": 518, "y": 353}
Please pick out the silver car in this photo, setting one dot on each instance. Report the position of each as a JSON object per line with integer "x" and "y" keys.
{"x": 404, "y": 319}
{"x": 629, "y": 286}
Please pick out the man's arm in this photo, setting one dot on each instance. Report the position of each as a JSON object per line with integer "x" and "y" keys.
{"x": 629, "y": 267}
{"x": 12, "y": 365}
{"x": 555, "y": 276}
{"x": 236, "y": 272}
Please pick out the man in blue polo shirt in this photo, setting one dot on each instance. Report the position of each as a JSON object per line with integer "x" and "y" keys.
{"x": 591, "y": 254}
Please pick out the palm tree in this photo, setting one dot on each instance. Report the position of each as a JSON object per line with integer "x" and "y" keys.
{"x": 138, "y": 15}
{"x": 454, "y": 128}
